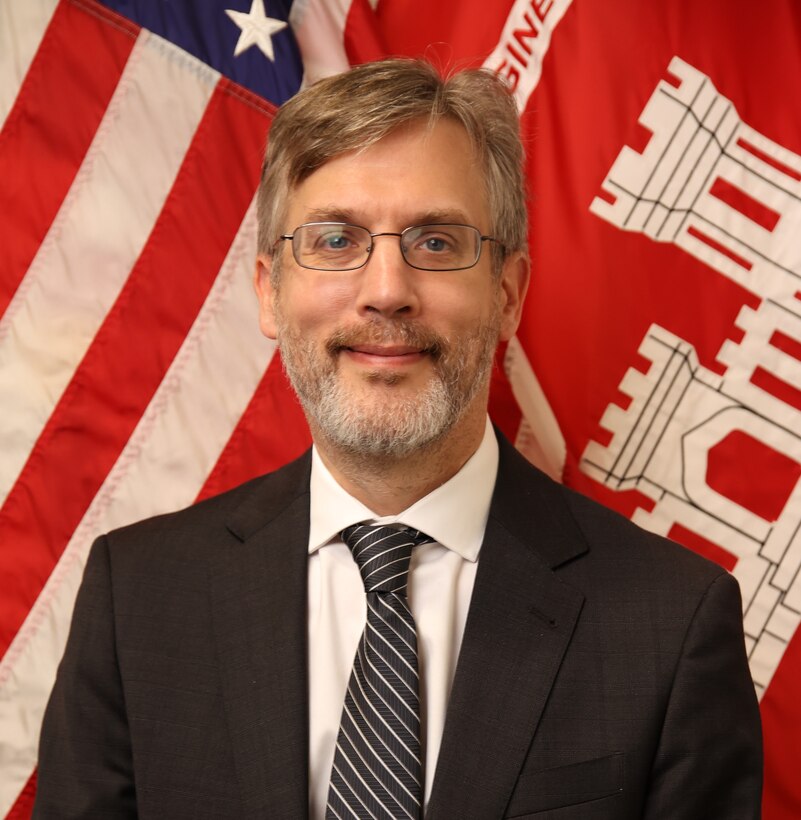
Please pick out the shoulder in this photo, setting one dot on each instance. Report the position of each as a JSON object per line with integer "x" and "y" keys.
{"x": 639, "y": 553}
{"x": 214, "y": 522}
{"x": 567, "y": 527}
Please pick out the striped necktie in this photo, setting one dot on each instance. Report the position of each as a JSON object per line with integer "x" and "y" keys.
{"x": 378, "y": 772}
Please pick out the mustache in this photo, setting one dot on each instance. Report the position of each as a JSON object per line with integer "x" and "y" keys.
{"x": 397, "y": 332}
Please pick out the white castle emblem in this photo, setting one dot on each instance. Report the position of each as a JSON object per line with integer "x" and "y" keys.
{"x": 729, "y": 196}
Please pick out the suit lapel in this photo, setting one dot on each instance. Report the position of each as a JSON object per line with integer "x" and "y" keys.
{"x": 520, "y": 623}
{"x": 259, "y": 601}
{"x": 518, "y": 629}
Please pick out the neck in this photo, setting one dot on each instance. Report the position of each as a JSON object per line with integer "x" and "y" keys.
{"x": 390, "y": 485}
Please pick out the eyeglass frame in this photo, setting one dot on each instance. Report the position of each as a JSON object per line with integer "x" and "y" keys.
{"x": 482, "y": 238}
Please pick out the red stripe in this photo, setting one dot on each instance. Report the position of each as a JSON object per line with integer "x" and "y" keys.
{"x": 703, "y": 546}
{"x": 769, "y": 160}
{"x": 743, "y": 202}
{"x": 503, "y": 407}
{"x": 770, "y": 383}
{"x": 781, "y": 726}
{"x": 63, "y": 93}
{"x": 23, "y": 806}
{"x": 722, "y": 249}
{"x": 363, "y": 42}
{"x": 785, "y": 343}
{"x": 271, "y": 432}
{"x": 133, "y": 349}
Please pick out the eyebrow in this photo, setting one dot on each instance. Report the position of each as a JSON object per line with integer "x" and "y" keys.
{"x": 333, "y": 213}
{"x": 329, "y": 214}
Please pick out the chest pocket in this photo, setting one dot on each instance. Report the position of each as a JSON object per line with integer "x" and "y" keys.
{"x": 567, "y": 785}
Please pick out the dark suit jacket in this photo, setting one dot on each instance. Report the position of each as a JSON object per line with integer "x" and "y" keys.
{"x": 602, "y": 672}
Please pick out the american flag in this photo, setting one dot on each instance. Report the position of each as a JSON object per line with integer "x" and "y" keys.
{"x": 658, "y": 367}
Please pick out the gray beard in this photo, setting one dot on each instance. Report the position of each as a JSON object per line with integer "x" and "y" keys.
{"x": 389, "y": 429}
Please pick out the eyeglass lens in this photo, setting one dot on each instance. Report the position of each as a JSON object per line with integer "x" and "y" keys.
{"x": 338, "y": 246}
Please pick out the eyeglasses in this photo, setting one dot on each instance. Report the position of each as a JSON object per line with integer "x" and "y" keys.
{"x": 337, "y": 246}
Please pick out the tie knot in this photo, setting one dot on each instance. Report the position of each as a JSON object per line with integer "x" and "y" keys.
{"x": 383, "y": 554}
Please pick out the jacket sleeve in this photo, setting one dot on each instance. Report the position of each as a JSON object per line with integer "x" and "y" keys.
{"x": 85, "y": 758}
{"x": 709, "y": 759}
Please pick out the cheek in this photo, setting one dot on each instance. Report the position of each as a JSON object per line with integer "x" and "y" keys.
{"x": 463, "y": 309}
{"x": 308, "y": 302}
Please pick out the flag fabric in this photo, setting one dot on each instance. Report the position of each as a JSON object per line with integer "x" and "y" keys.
{"x": 657, "y": 369}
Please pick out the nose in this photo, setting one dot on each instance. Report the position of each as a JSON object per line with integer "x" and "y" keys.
{"x": 387, "y": 286}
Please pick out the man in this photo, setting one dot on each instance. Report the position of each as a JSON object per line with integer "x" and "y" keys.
{"x": 523, "y": 651}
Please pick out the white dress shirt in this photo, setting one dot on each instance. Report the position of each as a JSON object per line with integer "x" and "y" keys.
{"x": 441, "y": 580}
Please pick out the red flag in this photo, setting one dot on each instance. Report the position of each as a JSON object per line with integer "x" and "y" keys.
{"x": 657, "y": 368}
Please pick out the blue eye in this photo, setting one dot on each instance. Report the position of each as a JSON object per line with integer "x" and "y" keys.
{"x": 435, "y": 243}
{"x": 336, "y": 242}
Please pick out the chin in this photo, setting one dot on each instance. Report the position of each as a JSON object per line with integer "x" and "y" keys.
{"x": 393, "y": 425}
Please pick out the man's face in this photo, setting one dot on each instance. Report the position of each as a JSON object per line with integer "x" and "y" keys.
{"x": 388, "y": 358}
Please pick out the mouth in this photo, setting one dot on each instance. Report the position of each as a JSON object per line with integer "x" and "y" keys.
{"x": 384, "y": 355}
{"x": 398, "y": 346}
{"x": 386, "y": 350}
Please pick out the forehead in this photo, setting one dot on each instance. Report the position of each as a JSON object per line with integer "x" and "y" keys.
{"x": 412, "y": 172}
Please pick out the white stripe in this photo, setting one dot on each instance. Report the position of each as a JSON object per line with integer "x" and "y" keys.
{"x": 369, "y": 746}
{"x": 361, "y": 673}
{"x": 352, "y": 790}
{"x": 401, "y": 608}
{"x": 319, "y": 27}
{"x": 330, "y": 808}
{"x": 412, "y": 730}
{"x": 412, "y": 649}
{"x": 365, "y": 652}
{"x": 370, "y": 646}
{"x": 377, "y": 714}
{"x": 385, "y": 641}
{"x": 522, "y": 66}
{"x": 22, "y": 26}
{"x": 376, "y": 775}
{"x": 349, "y": 760}
{"x": 163, "y": 466}
{"x": 381, "y": 555}
{"x": 401, "y": 574}
{"x": 401, "y": 599}
{"x": 413, "y": 701}
{"x": 393, "y": 548}
{"x": 357, "y": 551}
{"x": 540, "y": 437}
{"x": 96, "y": 238}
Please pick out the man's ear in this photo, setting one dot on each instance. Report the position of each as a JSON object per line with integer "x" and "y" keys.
{"x": 265, "y": 294}
{"x": 513, "y": 286}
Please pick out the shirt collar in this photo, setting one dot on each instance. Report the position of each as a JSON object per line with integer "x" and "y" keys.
{"x": 454, "y": 514}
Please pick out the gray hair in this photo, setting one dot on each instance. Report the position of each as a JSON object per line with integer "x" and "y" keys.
{"x": 355, "y": 109}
